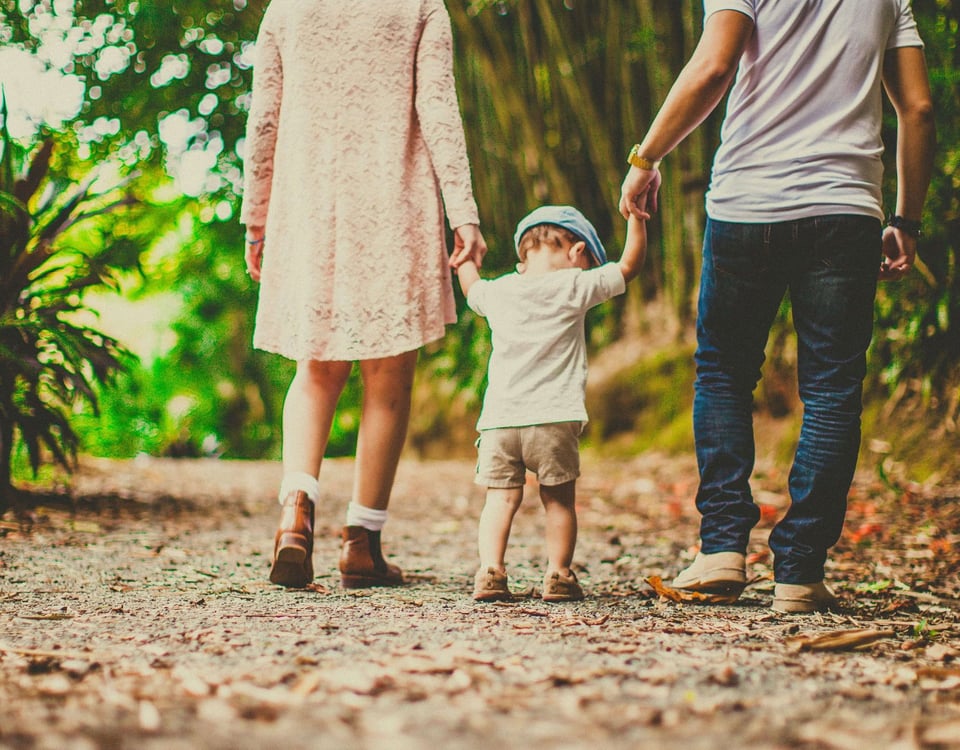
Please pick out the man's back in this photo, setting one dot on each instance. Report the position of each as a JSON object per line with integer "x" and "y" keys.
{"x": 802, "y": 132}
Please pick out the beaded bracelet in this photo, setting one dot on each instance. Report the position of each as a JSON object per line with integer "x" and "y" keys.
{"x": 255, "y": 242}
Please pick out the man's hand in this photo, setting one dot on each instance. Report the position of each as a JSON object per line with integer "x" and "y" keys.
{"x": 900, "y": 252}
{"x": 468, "y": 244}
{"x": 638, "y": 194}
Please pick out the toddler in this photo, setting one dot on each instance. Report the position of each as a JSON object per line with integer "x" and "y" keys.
{"x": 533, "y": 410}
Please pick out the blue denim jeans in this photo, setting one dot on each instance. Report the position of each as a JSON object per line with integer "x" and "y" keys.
{"x": 829, "y": 265}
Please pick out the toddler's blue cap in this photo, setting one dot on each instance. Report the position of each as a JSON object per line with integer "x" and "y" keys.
{"x": 569, "y": 218}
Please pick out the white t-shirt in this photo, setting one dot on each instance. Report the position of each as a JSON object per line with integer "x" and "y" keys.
{"x": 538, "y": 367}
{"x": 801, "y": 136}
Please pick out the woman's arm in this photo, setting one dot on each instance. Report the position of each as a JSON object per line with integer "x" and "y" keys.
{"x": 439, "y": 114}
{"x": 262, "y": 123}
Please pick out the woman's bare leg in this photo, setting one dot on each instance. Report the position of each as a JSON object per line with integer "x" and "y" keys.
{"x": 308, "y": 412}
{"x": 387, "y": 390}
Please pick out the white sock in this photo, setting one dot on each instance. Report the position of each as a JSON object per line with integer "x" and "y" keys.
{"x": 370, "y": 518}
{"x": 299, "y": 481}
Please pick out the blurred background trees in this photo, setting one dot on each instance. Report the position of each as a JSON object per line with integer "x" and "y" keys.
{"x": 553, "y": 92}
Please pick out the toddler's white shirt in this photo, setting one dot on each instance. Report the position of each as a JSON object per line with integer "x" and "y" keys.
{"x": 538, "y": 367}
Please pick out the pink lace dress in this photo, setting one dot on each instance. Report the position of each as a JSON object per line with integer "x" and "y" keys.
{"x": 354, "y": 149}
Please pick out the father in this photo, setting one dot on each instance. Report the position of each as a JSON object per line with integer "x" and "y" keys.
{"x": 794, "y": 204}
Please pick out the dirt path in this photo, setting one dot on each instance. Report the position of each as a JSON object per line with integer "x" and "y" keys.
{"x": 142, "y": 618}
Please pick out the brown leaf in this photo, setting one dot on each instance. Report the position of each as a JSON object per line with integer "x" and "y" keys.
{"x": 308, "y": 683}
{"x": 676, "y": 595}
{"x": 838, "y": 640}
{"x": 946, "y": 734}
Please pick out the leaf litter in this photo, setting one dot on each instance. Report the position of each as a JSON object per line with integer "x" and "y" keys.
{"x": 148, "y": 622}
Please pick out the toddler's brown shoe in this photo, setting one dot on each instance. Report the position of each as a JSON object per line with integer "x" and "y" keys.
{"x": 560, "y": 588}
{"x": 490, "y": 585}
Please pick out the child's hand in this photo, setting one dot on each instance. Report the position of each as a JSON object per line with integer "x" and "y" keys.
{"x": 468, "y": 275}
{"x": 640, "y": 210}
{"x": 468, "y": 244}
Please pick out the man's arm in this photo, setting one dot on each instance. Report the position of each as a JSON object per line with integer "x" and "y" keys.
{"x": 698, "y": 89}
{"x": 908, "y": 86}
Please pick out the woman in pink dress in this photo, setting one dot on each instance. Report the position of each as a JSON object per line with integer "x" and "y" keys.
{"x": 354, "y": 152}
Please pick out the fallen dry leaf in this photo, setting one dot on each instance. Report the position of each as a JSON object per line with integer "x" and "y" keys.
{"x": 838, "y": 640}
{"x": 946, "y": 734}
{"x": 676, "y": 595}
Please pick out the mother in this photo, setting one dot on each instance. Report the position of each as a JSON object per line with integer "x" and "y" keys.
{"x": 354, "y": 135}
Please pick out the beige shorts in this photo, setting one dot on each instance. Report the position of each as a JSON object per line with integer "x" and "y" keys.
{"x": 551, "y": 451}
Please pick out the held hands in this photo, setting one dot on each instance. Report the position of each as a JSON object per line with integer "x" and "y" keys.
{"x": 254, "y": 252}
{"x": 468, "y": 244}
{"x": 900, "y": 252}
{"x": 638, "y": 193}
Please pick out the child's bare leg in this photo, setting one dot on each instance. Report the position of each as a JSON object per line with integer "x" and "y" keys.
{"x": 308, "y": 411}
{"x": 495, "y": 521}
{"x": 559, "y": 502}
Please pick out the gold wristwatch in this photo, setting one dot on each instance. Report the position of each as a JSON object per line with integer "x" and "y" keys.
{"x": 641, "y": 162}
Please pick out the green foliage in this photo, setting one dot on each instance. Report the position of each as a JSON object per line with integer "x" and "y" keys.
{"x": 553, "y": 95}
{"x": 648, "y": 404}
{"x": 917, "y": 349}
{"x": 51, "y": 357}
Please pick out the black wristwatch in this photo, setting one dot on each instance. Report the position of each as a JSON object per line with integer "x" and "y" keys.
{"x": 909, "y": 226}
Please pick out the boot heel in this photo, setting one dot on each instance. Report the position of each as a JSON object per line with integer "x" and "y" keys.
{"x": 359, "y": 582}
{"x": 290, "y": 574}
{"x": 292, "y": 554}
{"x": 293, "y": 543}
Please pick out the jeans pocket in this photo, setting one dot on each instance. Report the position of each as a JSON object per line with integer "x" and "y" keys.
{"x": 847, "y": 242}
{"x": 740, "y": 251}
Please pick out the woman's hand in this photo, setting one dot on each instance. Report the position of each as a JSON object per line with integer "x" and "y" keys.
{"x": 254, "y": 251}
{"x": 468, "y": 244}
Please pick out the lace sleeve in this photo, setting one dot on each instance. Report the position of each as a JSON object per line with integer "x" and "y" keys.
{"x": 262, "y": 122}
{"x": 439, "y": 114}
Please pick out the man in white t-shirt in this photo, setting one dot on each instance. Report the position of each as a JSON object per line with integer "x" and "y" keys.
{"x": 533, "y": 409}
{"x": 794, "y": 204}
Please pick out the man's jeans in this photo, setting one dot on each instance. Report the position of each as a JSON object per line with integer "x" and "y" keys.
{"x": 829, "y": 264}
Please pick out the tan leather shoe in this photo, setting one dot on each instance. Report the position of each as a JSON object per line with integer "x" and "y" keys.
{"x": 293, "y": 543}
{"x": 490, "y": 585}
{"x": 361, "y": 561}
{"x": 717, "y": 573}
{"x": 560, "y": 588}
{"x": 802, "y": 598}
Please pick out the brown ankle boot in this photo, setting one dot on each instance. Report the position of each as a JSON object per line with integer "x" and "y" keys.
{"x": 293, "y": 544}
{"x": 361, "y": 561}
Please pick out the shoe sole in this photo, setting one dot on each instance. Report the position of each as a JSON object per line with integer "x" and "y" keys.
{"x": 792, "y": 607}
{"x": 492, "y": 596}
{"x": 367, "y": 582}
{"x": 578, "y": 597}
{"x": 726, "y": 588}
{"x": 289, "y": 568}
